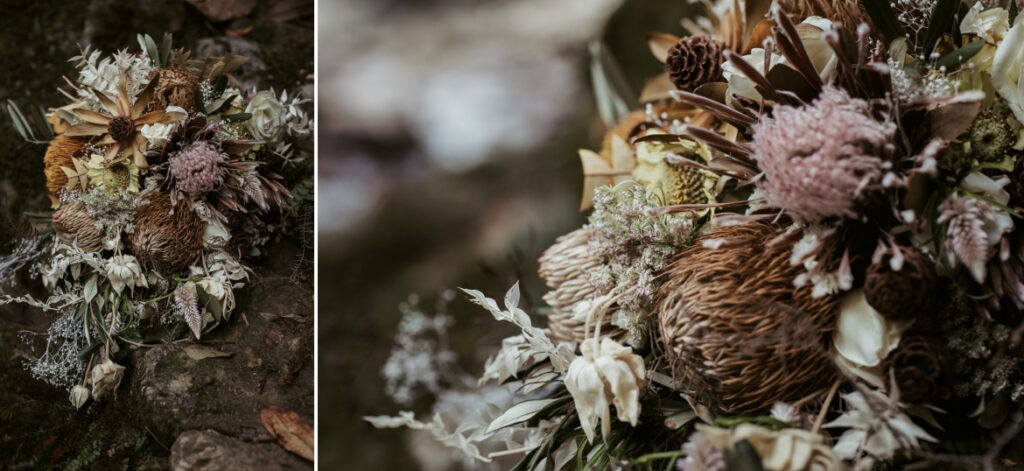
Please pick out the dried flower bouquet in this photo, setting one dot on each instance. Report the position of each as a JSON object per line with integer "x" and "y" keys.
{"x": 163, "y": 175}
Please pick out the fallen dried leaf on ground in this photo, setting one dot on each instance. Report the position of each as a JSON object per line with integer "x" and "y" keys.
{"x": 291, "y": 431}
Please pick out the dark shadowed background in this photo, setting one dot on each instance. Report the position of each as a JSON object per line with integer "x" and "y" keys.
{"x": 448, "y": 138}
{"x": 164, "y": 396}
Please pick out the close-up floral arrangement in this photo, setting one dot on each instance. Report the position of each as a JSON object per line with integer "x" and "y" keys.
{"x": 164, "y": 174}
{"x": 803, "y": 252}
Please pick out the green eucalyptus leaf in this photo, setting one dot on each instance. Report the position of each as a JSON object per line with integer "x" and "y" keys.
{"x": 955, "y": 59}
{"x": 940, "y": 22}
{"x": 743, "y": 458}
{"x": 237, "y": 117}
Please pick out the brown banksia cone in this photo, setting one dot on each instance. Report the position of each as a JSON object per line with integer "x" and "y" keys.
{"x": 59, "y": 154}
{"x": 737, "y": 331}
{"x": 164, "y": 240}
{"x": 566, "y": 267}
{"x": 694, "y": 61}
{"x": 74, "y": 226}
{"x": 903, "y": 294}
{"x": 176, "y": 87}
{"x": 921, "y": 369}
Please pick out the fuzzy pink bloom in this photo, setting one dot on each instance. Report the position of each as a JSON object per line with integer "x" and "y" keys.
{"x": 818, "y": 160}
{"x": 198, "y": 168}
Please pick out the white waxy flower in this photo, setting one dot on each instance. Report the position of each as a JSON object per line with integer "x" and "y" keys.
{"x": 607, "y": 373}
{"x": 1006, "y": 69}
{"x": 268, "y": 116}
{"x": 106, "y": 377}
{"x": 79, "y": 395}
{"x": 991, "y": 24}
{"x": 863, "y": 337}
{"x": 124, "y": 270}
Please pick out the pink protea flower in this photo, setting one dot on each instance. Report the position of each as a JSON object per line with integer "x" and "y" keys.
{"x": 198, "y": 168}
{"x": 818, "y": 160}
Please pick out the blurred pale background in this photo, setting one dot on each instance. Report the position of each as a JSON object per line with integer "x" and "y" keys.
{"x": 448, "y": 137}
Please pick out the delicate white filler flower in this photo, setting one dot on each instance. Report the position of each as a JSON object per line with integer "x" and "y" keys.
{"x": 607, "y": 373}
{"x": 106, "y": 377}
{"x": 124, "y": 270}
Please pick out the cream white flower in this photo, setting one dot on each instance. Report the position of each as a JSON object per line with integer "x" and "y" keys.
{"x": 740, "y": 84}
{"x": 863, "y": 337}
{"x": 607, "y": 373}
{"x": 106, "y": 377}
{"x": 157, "y": 134}
{"x": 989, "y": 24}
{"x": 78, "y": 396}
{"x": 788, "y": 449}
{"x": 1006, "y": 69}
{"x": 124, "y": 270}
{"x": 268, "y": 116}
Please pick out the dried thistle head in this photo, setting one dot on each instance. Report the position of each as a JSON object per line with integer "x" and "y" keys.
{"x": 734, "y": 326}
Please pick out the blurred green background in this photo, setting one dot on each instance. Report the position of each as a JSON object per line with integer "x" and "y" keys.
{"x": 405, "y": 204}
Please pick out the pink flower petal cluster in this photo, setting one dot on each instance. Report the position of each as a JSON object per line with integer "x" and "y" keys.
{"x": 818, "y": 160}
{"x": 198, "y": 168}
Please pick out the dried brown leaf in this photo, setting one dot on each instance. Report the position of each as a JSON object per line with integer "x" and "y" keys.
{"x": 201, "y": 352}
{"x": 292, "y": 432}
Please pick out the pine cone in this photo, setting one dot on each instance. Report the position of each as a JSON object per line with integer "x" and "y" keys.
{"x": 921, "y": 369}
{"x": 694, "y": 61}
{"x": 903, "y": 294}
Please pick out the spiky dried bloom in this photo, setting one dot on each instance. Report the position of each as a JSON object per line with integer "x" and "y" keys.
{"x": 175, "y": 87}
{"x": 694, "y": 61}
{"x": 75, "y": 226}
{"x": 165, "y": 238}
{"x": 119, "y": 125}
{"x": 701, "y": 455}
{"x": 847, "y": 13}
{"x": 991, "y": 135}
{"x": 59, "y": 154}
{"x": 635, "y": 243}
{"x": 198, "y": 168}
{"x": 819, "y": 160}
{"x": 974, "y": 229}
{"x": 736, "y": 329}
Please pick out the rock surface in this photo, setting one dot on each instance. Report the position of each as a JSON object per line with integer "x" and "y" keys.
{"x": 213, "y": 451}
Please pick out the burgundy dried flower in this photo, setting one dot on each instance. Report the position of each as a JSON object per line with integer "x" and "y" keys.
{"x": 905, "y": 293}
{"x": 921, "y": 368}
{"x": 198, "y": 168}
{"x": 818, "y": 160}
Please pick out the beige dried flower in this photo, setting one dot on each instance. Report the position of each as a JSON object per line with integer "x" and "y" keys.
{"x": 106, "y": 377}
{"x": 607, "y": 373}
{"x": 78, "y": 396}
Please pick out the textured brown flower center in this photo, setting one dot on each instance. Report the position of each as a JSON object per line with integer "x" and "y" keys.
{"x": 121, "y": 128}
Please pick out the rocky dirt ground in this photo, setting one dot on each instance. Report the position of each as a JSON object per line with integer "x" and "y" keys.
{"x": 173, "y": 411}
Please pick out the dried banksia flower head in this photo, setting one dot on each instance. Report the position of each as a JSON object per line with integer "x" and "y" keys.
{"x": 198, "y": 168}
{"x": 566, "y": 267}
{"x": 694, "y": 61}
{"x": 921, "y": 368}
{"x": 902, "y": 286}
{"x": 166, "y": 238}
{"x": 58, "y": 155}
{"x": 819, "y": 160}
{"x": 75, "y": 226}
{"x": 736, "y": 329}
{"x": 175, "y": 87}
